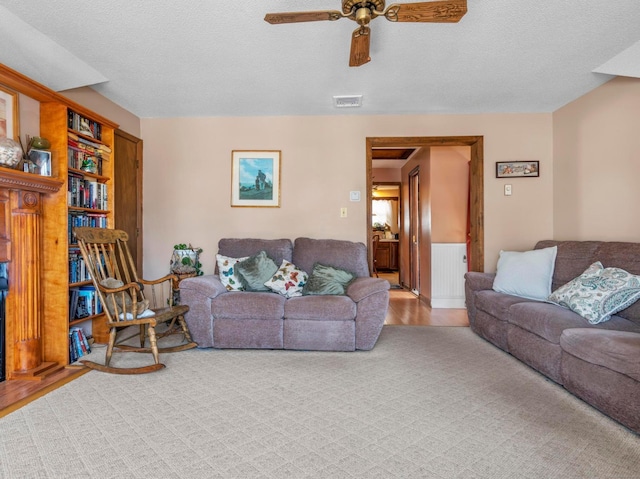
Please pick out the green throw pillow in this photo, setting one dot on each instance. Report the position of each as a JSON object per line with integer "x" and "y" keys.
{"x": 255, "y": 271}
{"x": 328, "y": 280}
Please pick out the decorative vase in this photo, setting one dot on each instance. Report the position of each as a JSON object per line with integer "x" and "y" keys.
{"x": 184, "y": 261}
{"x": 10, "y": 153}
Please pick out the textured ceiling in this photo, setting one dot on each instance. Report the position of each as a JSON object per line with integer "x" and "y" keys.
{"x": 163, "y": 58}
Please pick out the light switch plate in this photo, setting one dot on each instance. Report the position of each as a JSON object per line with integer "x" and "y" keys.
{"x": 507, "y": 190}
{"x": 354, "y": 195}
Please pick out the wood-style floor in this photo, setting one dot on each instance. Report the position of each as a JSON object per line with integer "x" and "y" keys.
{"x": 16, "y": 393}
{"x": 404, "y": 309}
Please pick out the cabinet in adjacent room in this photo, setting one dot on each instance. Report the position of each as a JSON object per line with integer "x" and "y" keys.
{"x": 387, "y": 255}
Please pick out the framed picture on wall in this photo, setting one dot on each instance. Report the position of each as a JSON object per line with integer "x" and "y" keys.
{"x": 255, "y": 178}
{"x": 9, "y": 113}
{"x": 515, "y": 169}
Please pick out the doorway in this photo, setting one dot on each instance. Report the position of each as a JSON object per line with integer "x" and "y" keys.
{"x": 476, "y": 190}
{"x": 414, "y": 230}
{"x": 128, "y": 192}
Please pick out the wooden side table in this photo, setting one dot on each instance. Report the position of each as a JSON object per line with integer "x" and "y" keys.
{"x": 176, "y": 285}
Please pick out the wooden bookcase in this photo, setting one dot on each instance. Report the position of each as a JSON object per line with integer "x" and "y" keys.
{"x": 54, "y": 126}
{"x": 54, "y": 325}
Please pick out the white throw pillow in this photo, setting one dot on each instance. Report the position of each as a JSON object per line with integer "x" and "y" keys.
{"x": 228, "y": 274}
{"x": 598, "y": 293}
{"x": 526, "y": 274}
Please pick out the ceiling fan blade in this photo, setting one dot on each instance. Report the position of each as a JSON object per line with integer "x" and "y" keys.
{"x": 295, "y": 17}
{"x": 447, "y": 11}
{"x": 360, "y": 41}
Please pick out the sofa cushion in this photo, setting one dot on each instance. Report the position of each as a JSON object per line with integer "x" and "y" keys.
{"x": 549, "y": 320}
{"x": 246, "y": 304}
{"x": 320, "y": 308}
{"x": 255, "y": 271}
{"x": 277, "y": 249}
{"x": 346, "y": 255}
{"x": 288, "y": 280}
{"x": 497, "y": 304}
{"x": 228, "y": 272}
{"x": 527, "y": 274}
{"x": 576, "y": 256}
{"x": 327, "y": 280}
{"x": 615, "y": 350}
{"x": 598, "y": 293}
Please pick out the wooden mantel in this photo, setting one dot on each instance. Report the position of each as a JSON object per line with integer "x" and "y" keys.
{"x": 17, "y": 180}
{"x": 21, "y": 245}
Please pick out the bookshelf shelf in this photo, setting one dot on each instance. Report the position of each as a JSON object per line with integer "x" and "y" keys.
{"x": 89, "y": 175}
{"x": 93, "y": 317}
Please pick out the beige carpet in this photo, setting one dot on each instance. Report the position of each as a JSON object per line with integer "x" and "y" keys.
{"x": 427, "y": 402}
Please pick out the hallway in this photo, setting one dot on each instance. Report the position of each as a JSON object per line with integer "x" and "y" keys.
{"x": 406, "y": 309}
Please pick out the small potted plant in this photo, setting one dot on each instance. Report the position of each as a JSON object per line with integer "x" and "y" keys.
{"x": 186, "y": 260}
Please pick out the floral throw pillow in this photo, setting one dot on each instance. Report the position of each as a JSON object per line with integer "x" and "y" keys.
{"x": 288, "y": 280}
{"x": 227, "y": 271}
{"x": 598, "y": 293}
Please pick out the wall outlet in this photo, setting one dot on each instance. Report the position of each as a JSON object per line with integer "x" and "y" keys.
{"x": 507, "y": 190}
{"x": 343, "y": 212}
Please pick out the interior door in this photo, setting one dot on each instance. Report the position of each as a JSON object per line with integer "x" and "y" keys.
{"x": 414, "y": 230}
{"x": 128, "y": 191}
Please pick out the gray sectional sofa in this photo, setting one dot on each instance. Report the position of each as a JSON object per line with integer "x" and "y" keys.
{"x": 248, "y": 319}
{"x": 598, "y": 363}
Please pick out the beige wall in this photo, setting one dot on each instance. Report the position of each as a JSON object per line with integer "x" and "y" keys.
{"x": 449, "y": 193}
{"x": 386, "y": 175}
{"x": 95, "y": 101}
{"x": 597, "y": 164}
{"x": 188, "y": 168}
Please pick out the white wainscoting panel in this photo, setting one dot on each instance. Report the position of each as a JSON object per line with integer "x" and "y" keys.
{"x": 448, "y": 266}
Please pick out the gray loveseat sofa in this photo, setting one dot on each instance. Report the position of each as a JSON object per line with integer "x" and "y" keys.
{"x": 247, "y": 319}
{"x": 598, "y": 363}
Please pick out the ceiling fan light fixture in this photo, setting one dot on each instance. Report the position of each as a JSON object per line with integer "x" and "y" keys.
{"x": 347, "y": 101}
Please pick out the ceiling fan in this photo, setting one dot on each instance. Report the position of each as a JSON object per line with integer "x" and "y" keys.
{"x": 362, "y": 12}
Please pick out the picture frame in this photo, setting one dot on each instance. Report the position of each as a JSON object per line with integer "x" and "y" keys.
{"x": 9, "y": 113}
{"x": 40, "y": 161}
{"x": 517, "y": 169}
{"x": 255, "y": 178}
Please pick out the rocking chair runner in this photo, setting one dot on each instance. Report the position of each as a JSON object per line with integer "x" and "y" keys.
{"x": 130, "y": 301}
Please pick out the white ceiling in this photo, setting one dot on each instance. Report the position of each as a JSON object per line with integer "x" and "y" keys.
{"x": 167, "y": 58}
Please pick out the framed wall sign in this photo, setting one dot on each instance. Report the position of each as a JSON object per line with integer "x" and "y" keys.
{"x": 9, "y": 113}
{"x": 515, "y": 169}
{"x": 255, "y": 178}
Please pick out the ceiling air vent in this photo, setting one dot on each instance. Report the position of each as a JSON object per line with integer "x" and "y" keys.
{"x": 347, "y": 101}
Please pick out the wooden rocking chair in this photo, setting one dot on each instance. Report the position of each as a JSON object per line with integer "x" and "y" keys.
{"x": 130, "y": 301}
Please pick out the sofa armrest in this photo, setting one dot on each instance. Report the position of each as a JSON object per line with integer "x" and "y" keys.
{"x": 208, "y": 285}
{"x": 479, "y": 281}
{"x": 371, "y": 296}
{"x": 366, "y": 286}
{"x": 475, "y": 282}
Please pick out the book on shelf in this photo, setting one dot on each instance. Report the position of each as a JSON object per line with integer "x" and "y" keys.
{"x": 86, "y": 193}
{"x": 84, "y": 125}
{"x": 73, "y": 303}
{"x": 81, "y": 218}
{"x": 78, "y": 344}
{"x": 88, "y": 302}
